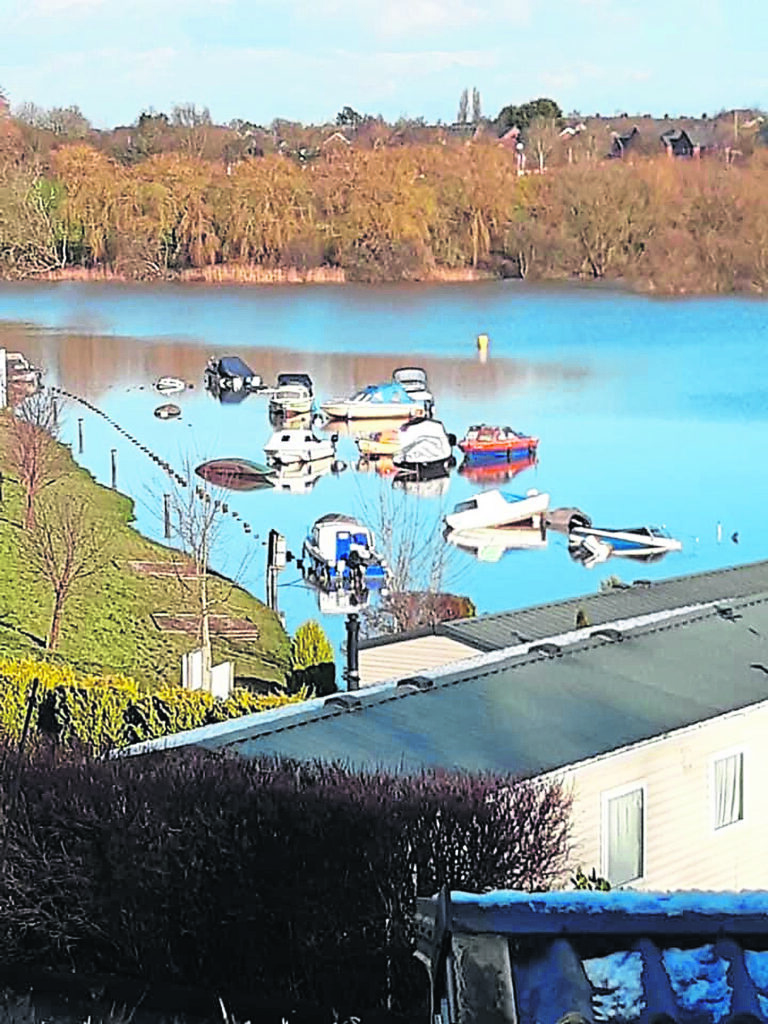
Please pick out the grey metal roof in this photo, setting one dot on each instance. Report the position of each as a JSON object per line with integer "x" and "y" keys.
{"x": 531, "y": 712}
{"x": 502, "y": 629}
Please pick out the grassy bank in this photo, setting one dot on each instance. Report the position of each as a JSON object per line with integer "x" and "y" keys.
{"x": 108, "y": 624}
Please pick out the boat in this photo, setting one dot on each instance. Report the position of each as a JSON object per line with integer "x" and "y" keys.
{"x": 485, "y": 442}
{"x": 170, "y": 385}
{"x": 340, "y": 550}
{"x": 496, "y": 471}
{"x": 377, "y": 401}
{"x": 20, "y": 372}
{"x": 488, "y": 544}
{"x": 423, "y": 444}
{"x": 236, "y": 474}
{"x": 168, "y": 411}
{"x": 379, "y": 443}
{"x": 565, "y": 518}
{"x": 293, "y": 395}
{"x": 286, "y": 447}
{"x": 631, "y": 541}
{"x": 230, "y": 373}
{"x": 499, "y": 508}
{"x": 414, "y": 380}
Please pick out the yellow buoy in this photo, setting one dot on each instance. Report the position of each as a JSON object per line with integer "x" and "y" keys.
{"x": 482, "y": 342}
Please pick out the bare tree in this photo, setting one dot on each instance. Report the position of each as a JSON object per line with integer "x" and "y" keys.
{"x": 194, "y": 126}
{"x": 65, "y": 545}
{"x": 542, "y": 138}
{"x": 33, "y": 453}
{"x": 420, "y": 563}
{"x": 461, "y": 116}
{"x": 477, "y": 110}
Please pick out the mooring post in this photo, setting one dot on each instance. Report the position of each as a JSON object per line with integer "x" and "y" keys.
{"x": 352, "y": 674}
{"x": 80, "y": 435}
{"x": 167, "y": 515}
{"x": 113, "y": 453}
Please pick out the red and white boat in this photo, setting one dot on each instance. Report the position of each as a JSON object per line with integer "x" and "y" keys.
{"x": 483, "y": 442}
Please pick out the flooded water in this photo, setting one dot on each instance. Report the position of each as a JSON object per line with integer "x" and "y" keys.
{"x": 648, "y": 411}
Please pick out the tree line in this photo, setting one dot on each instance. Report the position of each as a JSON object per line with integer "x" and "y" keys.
{"x": 408, "y": 213}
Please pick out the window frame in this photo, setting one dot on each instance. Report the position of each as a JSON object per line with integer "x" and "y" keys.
{"x": 722, "y": 755}
{"x": 605, "y": 798}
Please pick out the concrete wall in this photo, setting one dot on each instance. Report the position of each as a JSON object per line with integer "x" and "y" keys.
{"x": 683, "y": 849}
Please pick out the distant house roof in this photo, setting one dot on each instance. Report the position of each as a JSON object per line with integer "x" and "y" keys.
{"x": 583, "y": 956}
{"x": 337, "y": 139}
{"x": 537, "y": 707}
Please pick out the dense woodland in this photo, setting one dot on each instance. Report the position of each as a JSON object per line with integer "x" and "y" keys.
{"x": 362, "y": 200}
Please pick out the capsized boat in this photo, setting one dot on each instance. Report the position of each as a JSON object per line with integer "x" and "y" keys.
{"x": 286, "y": 447}
{"x": 414, "y": 380}
{"x": 230, "y": 373}
{"x": 293, "y": 395}
{"x": 486, "y": 442}
{"x": 499, "y": 508}
{"x": 488, "y": 544}
{"x": 168, "y": 411}
{"x": 423, "y": 444}
{"x": 377, "y": 401}
{"x": 340, "y": 550}
{"x": 170, "y": 385}
{"x": 236, "y": 474}
{"x": 632, "y": 541}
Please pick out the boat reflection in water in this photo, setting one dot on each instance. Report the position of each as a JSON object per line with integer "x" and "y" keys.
{"x": 383, "y": 465}
{"x": 420, "y": 485}
{"x": 236, "y": 474}
{"x": 489, "y": 544}
{"x": 342, "y": 600}
{"x": 496, "y": 472}
{"x": 301, "y": 477}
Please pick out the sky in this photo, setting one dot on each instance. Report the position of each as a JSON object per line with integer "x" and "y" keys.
{"x": 305, "y": 59}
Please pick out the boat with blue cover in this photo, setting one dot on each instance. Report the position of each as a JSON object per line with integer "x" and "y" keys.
{"x": 377, "y": 401}
{"x": 339, "y": 550}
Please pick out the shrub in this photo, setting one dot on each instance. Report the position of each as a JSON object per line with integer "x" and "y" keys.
{"x": 312, "y": 661}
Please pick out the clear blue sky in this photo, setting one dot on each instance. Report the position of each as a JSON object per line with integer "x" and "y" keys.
{"x": 305, "y": 59}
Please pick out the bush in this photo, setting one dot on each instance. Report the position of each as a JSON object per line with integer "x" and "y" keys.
{"x": 312, "y": 663}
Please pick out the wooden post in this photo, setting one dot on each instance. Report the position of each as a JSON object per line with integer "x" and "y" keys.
{"x": 114, "y": 468}
{"x": 167, "y": 515}
{"x": 80, "y": 435}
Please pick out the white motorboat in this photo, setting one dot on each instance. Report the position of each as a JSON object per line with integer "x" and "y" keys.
{"x": 378, "y": 401}
{"x": 414, "y": 380}
{"x": 286, "y": 447}
{"x": 339, "y": 550}
{"x": 170, "y": 385}
{"x": 489, "y": 543}
{"x": 632, "y": 541}
{"x": 293, "y": 395}
{"x": 499, "y": 508}
{"x": 423, "y": 444}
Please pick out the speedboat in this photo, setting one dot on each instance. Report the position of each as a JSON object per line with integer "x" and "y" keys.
{"x": 340, "y": 550}
{"x": 499, "y": 508}
{"x": 293, "y": 395}
{"x": 488, "y": 544}
{"x": 236, "y": 474}
{"x": 423, "y": 444}
{"x": 169, "y": 411}
{"x": 484, "y": 442}
{"x": 414, "y": 380}
{"x": 377, "y": 401}
{"x": 230, "y": 373}
{"x": 632, "y": 541}
{"x": 170, "y": 385}
{"x": 286, "y": 447}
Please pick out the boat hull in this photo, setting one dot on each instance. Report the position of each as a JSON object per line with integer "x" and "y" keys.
{"x": 235, "y": 474}
{"x": 493, "y": 510}
{"x": 371, "y": 411}
{"x": 628, "y": 542}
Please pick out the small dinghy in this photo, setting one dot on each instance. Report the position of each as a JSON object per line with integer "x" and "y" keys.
{"x": 236, "y": 474}
{"x": 168, "y": 411}
{"x": 170, "y": 385}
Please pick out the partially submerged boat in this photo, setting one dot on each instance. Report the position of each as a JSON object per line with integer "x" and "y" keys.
{"x": 631, "y": 541}
{"x": 423, "y": 444}
{"x": 377, "y": 401}
{"x": 414, "y": 380}
{"x": 230, "y": 373}
{"x": 168, "y": 411}
{"x": 489, "y": 544}
{"x": 340, "y": 550}
{"x": 483, "y": 442}
{"x": 287, "y": 447}
{"x": 499, "y": 508}
{"x": 170, "y": 385}
{"x": 293, "y": 395}
{"x": 236, "y": 474}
